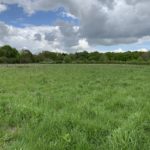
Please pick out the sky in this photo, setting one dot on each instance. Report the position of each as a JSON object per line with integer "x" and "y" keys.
{"x": 75, "y": 25}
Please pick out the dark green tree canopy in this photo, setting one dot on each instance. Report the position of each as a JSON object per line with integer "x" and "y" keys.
{"x": 8, "y": 51}
{"x": 12, "y": 55}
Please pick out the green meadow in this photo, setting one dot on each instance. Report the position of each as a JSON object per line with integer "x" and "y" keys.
{"x": 75, "y": 107}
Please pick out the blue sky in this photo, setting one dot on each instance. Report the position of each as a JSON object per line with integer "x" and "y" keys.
{"x": 94, "y": 25}
{"x": 17, "y": 17}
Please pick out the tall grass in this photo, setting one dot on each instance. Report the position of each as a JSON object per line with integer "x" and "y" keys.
{"x": 75, "y": 107}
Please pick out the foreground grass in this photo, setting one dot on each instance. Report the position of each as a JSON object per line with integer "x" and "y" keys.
{"x": 81, "y": 107}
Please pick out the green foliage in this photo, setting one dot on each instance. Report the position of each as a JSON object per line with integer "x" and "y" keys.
{"x": 26, "y": 57}
{"x": 74, "y": 107}
{"x": 11, "y": 55}
{"x": 8, "y": 54}
{"x": 94, "y": 57}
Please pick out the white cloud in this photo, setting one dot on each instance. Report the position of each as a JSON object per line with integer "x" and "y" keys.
{"x": 120, "y": 50}
{"x": 144, "y": 39}
{"x": 142, "y": 50}
{"x": 83, "y": 44}
{"x": 3, "y": 8}
{"x": 25, "y": 37}
{"x": 102, "y": 22}
{"x": 69, "y": 15}
{"x": 128, "y": 19}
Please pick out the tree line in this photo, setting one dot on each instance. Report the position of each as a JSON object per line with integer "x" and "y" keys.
{"x": 11, "y": 55}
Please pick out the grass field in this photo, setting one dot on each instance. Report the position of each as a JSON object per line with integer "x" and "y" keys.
{"x": 75, "y": 107}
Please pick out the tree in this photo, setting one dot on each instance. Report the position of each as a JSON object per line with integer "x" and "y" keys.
{"x": 67, "y": 59}
{"x": 146, "y": 56}
{"x": 47, "y": 56}
{"x": 26, "y": 56}
{"x": 8, "y": 54}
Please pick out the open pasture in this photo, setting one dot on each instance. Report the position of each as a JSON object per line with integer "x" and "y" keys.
{"x": 75, "y": 107}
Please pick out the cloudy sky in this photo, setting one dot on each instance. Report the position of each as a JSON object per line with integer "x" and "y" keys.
{"x": 75, "y": 25}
